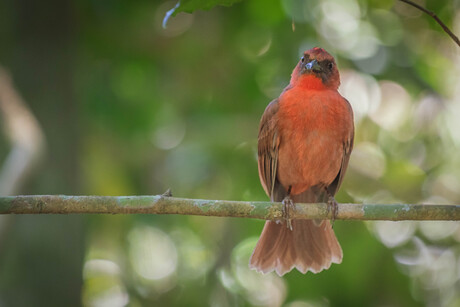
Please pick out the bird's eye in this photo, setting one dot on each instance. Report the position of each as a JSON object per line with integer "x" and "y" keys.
{"x": 330, "y": 65}
{"x": 302, "y": 59}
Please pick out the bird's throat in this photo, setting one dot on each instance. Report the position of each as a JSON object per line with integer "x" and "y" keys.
{"x": 311, "y": 82}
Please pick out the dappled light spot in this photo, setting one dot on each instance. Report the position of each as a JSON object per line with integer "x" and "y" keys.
{"x": 452, "y": 121}
{"x": 374, "y": 64}
{"x": 404, "y": 179}
{"x": 368, "y": 160}
{"x": 343, "y": 15}
{"x": 362, "y": 91}
{"x": 103, "y": 284}
{"x": 456, "y": 23}
{"x": 195, "y": 258}
{"x": 339, "y": 25}
{"x": 435, "y": 230}
{"x": 395, "y": 106}
{"x": 152, "y": 253}
{"x": 169, "y": 135}
{"x": 258, "y": 289}
{"x": 254, "y": 42}
{"x": 265, "y": 47}
{"x": 170, "y": 128}
{"x": 393, "y": 234}
{"x": 367, "y": 43}
{"x": 100, "y": 266}
{"x": 299, "y": 11}
{"x": 416, "y": 154}
{"x": 389, "y": 26}
{"x": 113, "y": 297}
{"x": 186, "y": 166}
{"x": 413, "y": 257}
{"x": 309, "y": 303}
{"x": 434, "y": 268}
{"x": 442, "y": 274}
{"x": 428, "y": 108}
{"x": 378, "y": 197}
{"x": 343, "y": 28}
{"x": 445, "y": 185}
{"x": 227, "y": 280}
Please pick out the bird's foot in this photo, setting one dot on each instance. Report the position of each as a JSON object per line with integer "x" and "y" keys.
{"x": 288, "y": 205}
{"x": 333, "y": 207}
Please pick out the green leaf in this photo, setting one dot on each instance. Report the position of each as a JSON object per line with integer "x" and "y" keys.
{"x": 189, "y": 6}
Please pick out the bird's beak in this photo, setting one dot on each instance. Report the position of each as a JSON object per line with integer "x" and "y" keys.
{"x": 314, "y": 66}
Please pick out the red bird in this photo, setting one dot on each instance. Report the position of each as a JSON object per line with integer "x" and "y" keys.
{"x": 305, "y": 141}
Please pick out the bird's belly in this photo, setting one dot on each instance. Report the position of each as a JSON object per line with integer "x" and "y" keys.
{"x": 313, "y": 126}
{"x": 309, "y": 158}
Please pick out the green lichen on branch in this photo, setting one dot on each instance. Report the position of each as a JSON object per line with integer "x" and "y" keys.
{"x": 157, "y": 204}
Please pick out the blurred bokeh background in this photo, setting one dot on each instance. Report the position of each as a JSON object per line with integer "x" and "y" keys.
{"x": 97, "y": 98}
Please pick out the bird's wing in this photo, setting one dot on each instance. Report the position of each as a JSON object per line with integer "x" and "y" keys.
{"x": 268, "y": 145}
{"x": 347, "y": 148}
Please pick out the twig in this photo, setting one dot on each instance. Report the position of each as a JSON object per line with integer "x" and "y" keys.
{"x": 439, "y": 21}
{"x": 158, "y": 204}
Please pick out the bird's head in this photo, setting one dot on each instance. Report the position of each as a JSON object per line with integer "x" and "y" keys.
{"x": 317, "y": 70}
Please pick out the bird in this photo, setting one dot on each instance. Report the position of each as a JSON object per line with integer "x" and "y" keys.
{"x": 304, "y": 145}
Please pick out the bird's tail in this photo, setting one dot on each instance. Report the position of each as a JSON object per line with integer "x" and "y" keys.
{"x": 310, "y": 246}
{"x": 307, "y": 247}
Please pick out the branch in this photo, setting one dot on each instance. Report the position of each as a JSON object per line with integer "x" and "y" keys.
{"x": 158, "y": 204}
{"x": 439, "y": 21}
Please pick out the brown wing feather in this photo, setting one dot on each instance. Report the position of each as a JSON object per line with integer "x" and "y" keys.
{"x": 268, "y": 146}
{"x": 347, "y": 148}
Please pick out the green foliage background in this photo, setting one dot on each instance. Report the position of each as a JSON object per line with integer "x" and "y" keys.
{"x": 131, "y": 108}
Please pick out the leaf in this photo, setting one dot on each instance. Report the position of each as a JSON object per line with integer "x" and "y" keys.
{"x": 189, "y": 6}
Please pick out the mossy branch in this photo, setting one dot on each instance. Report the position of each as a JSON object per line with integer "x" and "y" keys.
{"x": 158, "y": 204}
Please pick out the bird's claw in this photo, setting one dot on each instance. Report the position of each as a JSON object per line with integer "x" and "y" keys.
{"x": 288, "y": 205}
{"x": 333, "y": 208}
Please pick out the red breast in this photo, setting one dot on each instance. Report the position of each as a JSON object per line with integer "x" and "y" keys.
{"x": 314, "y": 122}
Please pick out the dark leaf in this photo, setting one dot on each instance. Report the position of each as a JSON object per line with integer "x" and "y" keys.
{"x": 189, "y": 6}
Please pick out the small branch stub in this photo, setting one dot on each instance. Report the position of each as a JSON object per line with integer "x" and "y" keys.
{"x": 159, "y": 204}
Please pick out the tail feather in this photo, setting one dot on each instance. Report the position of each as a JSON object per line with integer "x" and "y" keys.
{"x": 335, "y": 247}
{"x": 310, "y": 246}
{"x": 312, "y": 238}
{"x": 307, "y": 247}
